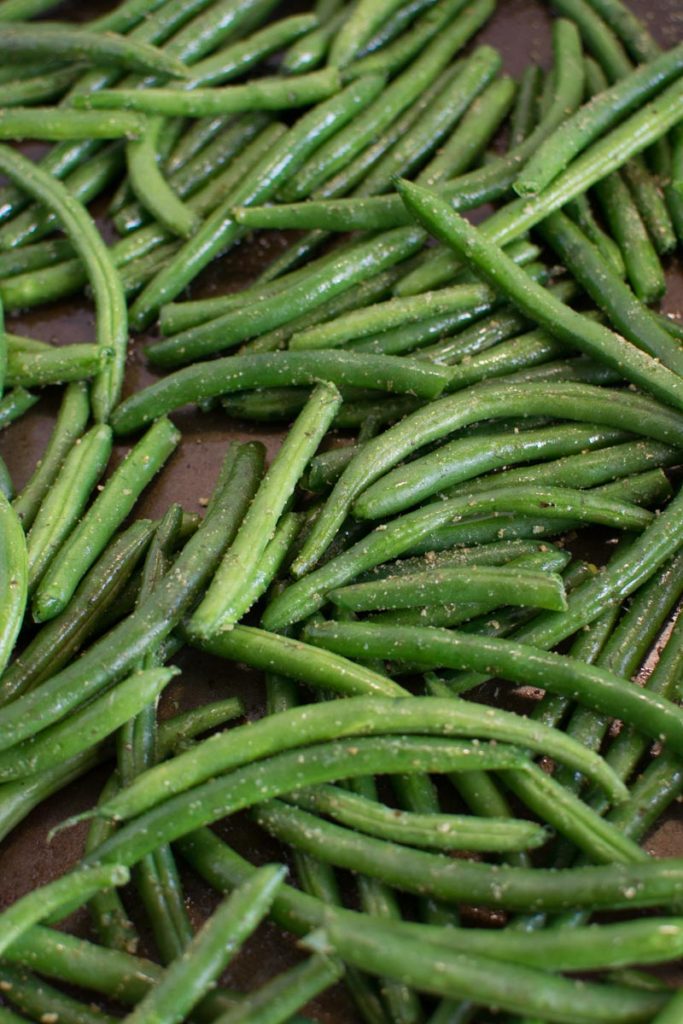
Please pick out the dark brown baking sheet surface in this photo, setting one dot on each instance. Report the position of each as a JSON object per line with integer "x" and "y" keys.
{"x": 520, "y": 30}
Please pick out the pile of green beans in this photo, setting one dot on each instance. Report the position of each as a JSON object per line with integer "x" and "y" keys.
{"x": 456, "y": 560}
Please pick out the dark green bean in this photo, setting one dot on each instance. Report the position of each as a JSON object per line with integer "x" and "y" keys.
{"x": 310, "y": 291}
{"x": 219, "y": 230}
{"x": 103, "y": 518}
{"x": 37, "y": 998}
{"x": 279, "y": 999}
{"x": 430, "y": 831}
{"x": 115, "y": 655}
{"x": 238, "y": 373}
{"x": 191, "y": 976}
{"x": 533, "y": 300}
{"x": 71, "y": 421}
{"x": 14, "y": 563}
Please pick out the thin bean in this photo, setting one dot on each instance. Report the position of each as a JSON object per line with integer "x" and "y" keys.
{"x": 36, "y": 998}
{"x": 34, "y": 257}
{"x": 71, "y": 421}
{"x": 14, "y": 404}
{"x": 485, "y": 980}
{"x": 309, "y": 52}
{"x": 535, "y": 301}
{"x": 222, "y": 603}
{"x": 57, "y": 898}
{"x": 465, "y": 458}
{"x": 20, "y": 10}
{"x": 603, "y": 111}
{"x": 219, "y": 230}
{"x": 150, "y": 186}
{"x": 60, "y": 639}
{"x": 106, "y": 514}
{"x": 239, "y": 373}
{"x": 56, "y": 366}
{"x": 279, "y": 999}
{"x": 365, "y": 19}
{"x": 575, "y": 401}
{"x": 54, "y": 125}
{"x": 581, "y": 213}
{"x": 192, "y": 975}
{"x": 310, "y": 291}
{"x": 430, "y": 831}
{"x": 514, "y": 586}
{"x": 241, "y": 56}
{"x": 116, "y": 654}
{"x": 14, "y": 569}
{"x": 350, "y": 717}
{"x": 24, "y": 42}
{"x": 63, "y": 505}
{"x": 110, "y": 301}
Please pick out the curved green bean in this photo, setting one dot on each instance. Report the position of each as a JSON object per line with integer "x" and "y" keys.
{"x": 150, "y": 186}
{"x": 14, "y": 568}
{"x": 105, "y": 515}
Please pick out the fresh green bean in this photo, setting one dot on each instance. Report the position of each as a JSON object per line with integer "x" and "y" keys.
{"x": 310, "y": 291}
{"x": 564, "y": 323}
{"x": 603, "y": 111}
{"x": 484, "y": 979}
{"x": 465, "y": 458}
{"x": 14, "y": 404}
{"x": 221, "y": 605}
{"x": 260, "y": 94}
{"x": 54, "y": 125}
{"x": 573, "y": 401}
{"x": 400, "y": 93}
{"x": 150, "y": 186}
{"x": 116, "y": 654}
{"x": 24, "y": 42}
{"x": 63, "y": 505}
{"x": 365, "y": 19}
{"x": 55, "y": 366}
{"x": 39, "y": 89}
{"x": 238, "y": 58}
{"x": 110, "y": 301}
{"x": 36, "y": 998}
{"x": 350, "y": 717}
{"x": 57, "y": 898}
{"x": 475, "y": 584}
{"x": 14, "y": 567}
{"x": 71, "y": 421}
{"x": 20, "y": 10}
{"x": 60, "y": 639}
{"x": 309, "y": 52}
{"x": 34, "y": 257}
{"x": 279, "y": 999}
{"x": 237, "y": 373}
{"x": 219, "y": 230}
{"x": 430, "y": 831}
{"x": 192, "y": 975}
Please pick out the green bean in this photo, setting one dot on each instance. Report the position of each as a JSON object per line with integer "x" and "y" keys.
{"x": 653, "y": 791}
{"x": 484, "y": 979}
{"x": 237, "y": 373}
{"x": 311, "y": 290}
{"x": 23, "y": 42}
{"x": 393, "y": 313}
{"x": 430, "y": 831}
{"x": 365, "y": 19}
{"x": 597, "y": 687}
{"x": 60, "y": 639}
{"x": 533, "y": 300}
{"x": 651, "y": 204}
{"x": 114, "y": 973}
{"x": 6, "y": 485}
{"x": 68, "y": 363}
{"x": 223, "y": 602}
{"x": 671, "y": 1012}
{"x": 603, "y": 111}
{"x": 126, "y": 16}
{"x": 309, "y": 52}
{"x": 20, "y": 10}
{"x": 116, "y": 654}
{"x": 587, "y": 469}
{"x": 400, "y": 536}
{"x": 475, "y": 584}
{"x": 280, "y": 998}
{"x": 212, "y": 27}
{"x": 497, "y": 400}
{"x": 350, "y": 717}
{"x": 14, "y": 563}
{"x": 34, "y": 257}
{"x": 14, "y": 404}
{"x": 150, "y": 186}
{"x": 190, "y": 144}
{"x": 465, "y": 458}
{"x": 110, "y": 302}
{"x": 64, "y": 504}
{"x": 233, "y": 61}
{"x": 347, "y": 143}
{"x": 37, "y": 998}
{"x": 192, "y": 975}
{"x": 39, "y": 89}
{"x": 671, "y": 192}
{"x": 57, "y": 898}
{"x": 219, "y": 230}
{"x": 260, "y": 94}
{"x": 505, "y": 322}
{"x": 71, "y": 421}
{"x": 106, "y": 514}
{"x": 86, "y": 727}
{"x": 278, "y": 404}
{"x": 581, "y": 213}
{"x": 525, "y": 112}
{"x": 50, "y": 124}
